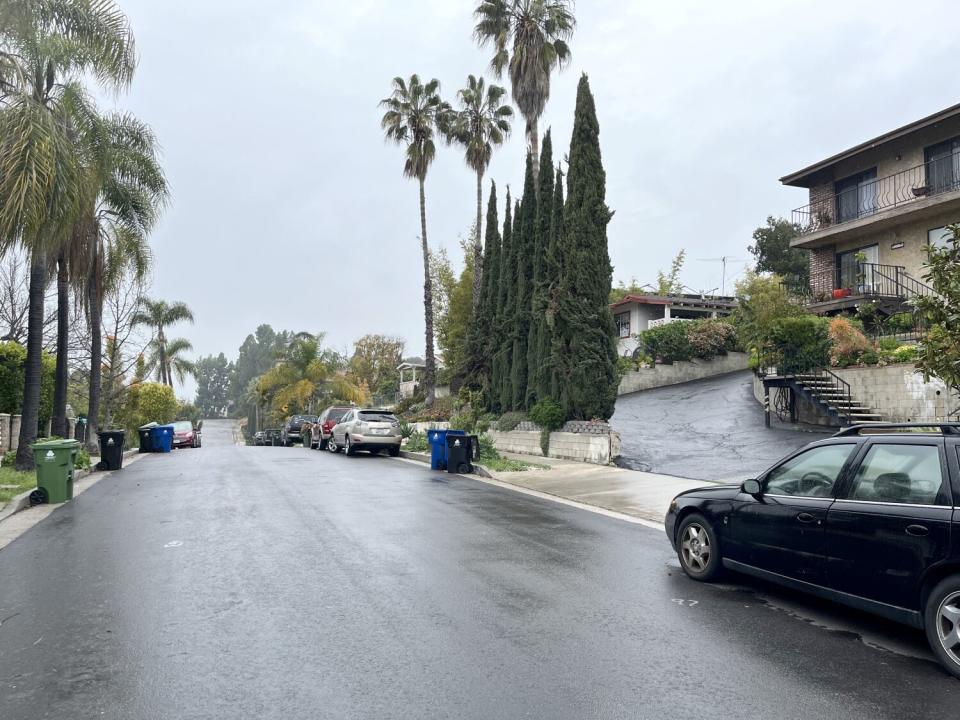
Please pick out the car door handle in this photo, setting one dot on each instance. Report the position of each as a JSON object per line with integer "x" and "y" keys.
{"x": 918, "y": 530}
{"x": 806, "y": 517}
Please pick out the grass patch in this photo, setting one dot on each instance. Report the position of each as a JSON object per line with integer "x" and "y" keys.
{"x": 22, "y": 480}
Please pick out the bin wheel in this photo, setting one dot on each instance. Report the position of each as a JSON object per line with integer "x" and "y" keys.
{"x": 464, "y": 468}
{"x": 39, "y": 497}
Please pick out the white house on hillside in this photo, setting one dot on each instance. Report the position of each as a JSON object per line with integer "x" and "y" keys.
{"x": 636, "y": 313}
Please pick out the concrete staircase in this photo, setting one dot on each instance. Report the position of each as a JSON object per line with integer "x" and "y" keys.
{"x": 831, "y": 394}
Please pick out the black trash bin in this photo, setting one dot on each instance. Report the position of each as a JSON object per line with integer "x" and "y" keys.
{"x": 111, "y": 448}
{"x": 146, "y": 439}
{"x": 462, "y": 450}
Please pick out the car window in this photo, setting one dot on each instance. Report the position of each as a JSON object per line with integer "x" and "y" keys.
{"x": 367, "y": 416}
{"x": 183, "y": 426}
{"x": 347, "y": 417}
{"x": 810, "y": 474}
{"x": 908, "y": 474}
{"x": 336, "y": 415}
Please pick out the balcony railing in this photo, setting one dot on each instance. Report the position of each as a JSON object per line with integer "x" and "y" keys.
{"x": 859, "y": 280}
{"x": 868, "y": 198}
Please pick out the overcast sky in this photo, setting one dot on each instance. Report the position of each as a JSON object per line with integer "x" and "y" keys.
{"x": 289, "y": 209}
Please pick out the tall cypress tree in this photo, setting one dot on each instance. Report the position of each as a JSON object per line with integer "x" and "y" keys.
{"x": 538, "y": 347}
{"x": 555, "y": 270}
{"x": 588, "y": 343}
{"x": 500, "y": 343}
{"x": 477, "y": 361}
{"x": 524, "y": 288}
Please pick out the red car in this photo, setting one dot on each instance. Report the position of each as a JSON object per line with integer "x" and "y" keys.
{"x": 330, "y": 417}
{"x": 184, "y": 435}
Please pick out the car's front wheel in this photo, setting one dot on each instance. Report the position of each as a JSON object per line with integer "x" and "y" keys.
{"x": 942, "y": 623}
{"x": 348, "y": 445}
{"x": 332, "y": 445}
{"x": 698, "y": 549}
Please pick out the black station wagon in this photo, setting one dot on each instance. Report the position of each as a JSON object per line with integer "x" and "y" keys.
{"x": 868, "y": 518}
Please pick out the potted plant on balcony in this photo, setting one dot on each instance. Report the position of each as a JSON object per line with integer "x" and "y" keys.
{"x": 823, "y": 218}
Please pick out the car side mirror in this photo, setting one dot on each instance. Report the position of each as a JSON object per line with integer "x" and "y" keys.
{"x": 752, "y": 487}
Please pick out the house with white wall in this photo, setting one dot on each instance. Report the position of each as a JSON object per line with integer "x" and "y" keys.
{"x": 636, "y": 313}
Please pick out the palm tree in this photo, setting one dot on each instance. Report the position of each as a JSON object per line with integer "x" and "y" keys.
{"x": 125, "y": 192}
{"x": 482, "y": 122}
{"x": 414, "y": 114}
{"x": 159, "y": 315}
{"x": 304, "y": 375}
{"x": 529, "y": 39}
{"x": 45, "y": 45}
{"x": 174, "y": 363}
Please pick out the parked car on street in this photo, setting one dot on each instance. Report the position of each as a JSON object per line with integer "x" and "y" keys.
{"x": 258, "y": 437}
{"x": 271, "y": 436}
{"x": 867, "y": 518}
{"x": 367, "y": 429}
{"x": 328, "y": 418}
{"x": 291, "y": 428}
{"x": 185, "y": 435}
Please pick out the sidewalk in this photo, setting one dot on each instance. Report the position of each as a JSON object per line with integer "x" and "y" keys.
{"x": 625, "y": 492}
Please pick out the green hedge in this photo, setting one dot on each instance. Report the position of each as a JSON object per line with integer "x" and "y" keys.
{"x": 686, "y": 340}
{"x": 799, "y": 344}
{"x": 13, "y": 358}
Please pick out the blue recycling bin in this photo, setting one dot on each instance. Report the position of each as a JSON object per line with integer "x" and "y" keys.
{"x": 438, "y": 447}
{"x": 161, "y": 438}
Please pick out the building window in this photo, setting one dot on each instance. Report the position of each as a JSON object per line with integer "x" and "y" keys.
{"x": 943, "y": 166}
{"x": 623, "y": 324}
{"x": 857, "y": 196}
{"x": 938, "y": 237}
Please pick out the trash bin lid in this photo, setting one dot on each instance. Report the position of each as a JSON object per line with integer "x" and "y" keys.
{"x": 148, "y": 426}
{"x": 55, "y": 445}
{"x": 111, "y": 432}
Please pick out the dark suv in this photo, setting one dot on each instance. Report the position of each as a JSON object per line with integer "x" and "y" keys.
{"x": 291, "y": 428}
{"x": 865, "y": 518}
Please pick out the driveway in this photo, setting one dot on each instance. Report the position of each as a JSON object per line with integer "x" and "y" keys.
{"x": 711, "y": 429}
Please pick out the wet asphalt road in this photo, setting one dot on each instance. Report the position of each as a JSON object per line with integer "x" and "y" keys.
{"x": 706, "y": 430}
{"x": 268, "y": 583}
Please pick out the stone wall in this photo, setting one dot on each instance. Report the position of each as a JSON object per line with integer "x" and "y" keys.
{"x": 582, "y": 447}
{"x": 899, "y": 393}
{"x": 682, "y": 372}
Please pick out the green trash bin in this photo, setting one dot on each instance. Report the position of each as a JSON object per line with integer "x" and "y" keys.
{"x": 55, "y": 460}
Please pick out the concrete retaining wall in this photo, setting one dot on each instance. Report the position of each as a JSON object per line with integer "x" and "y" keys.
{"x": 681, "y": 372}
{"x": 582, "y": 447}
{"x": 899, "y": 393}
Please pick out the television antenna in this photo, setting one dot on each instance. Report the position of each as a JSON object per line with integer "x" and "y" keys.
{"x": 724, "y": 259}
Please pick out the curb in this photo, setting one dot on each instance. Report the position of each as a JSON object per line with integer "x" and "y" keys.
{"x": 424, "y": 458}
{"x": 22, "y": 501}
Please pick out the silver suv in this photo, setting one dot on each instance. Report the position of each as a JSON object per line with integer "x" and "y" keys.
{"x": 366, "y": 429}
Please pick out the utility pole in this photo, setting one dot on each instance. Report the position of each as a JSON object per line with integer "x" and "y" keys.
{"x": 724, "y": 259}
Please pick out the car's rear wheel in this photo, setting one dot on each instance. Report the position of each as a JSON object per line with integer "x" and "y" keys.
{"x": 348, "y": 445}
{"x": 322, "y": 445}
{"x": 942, "y": 623}
{"x": 698, "y": 549}
{"x": 394, "y": 451}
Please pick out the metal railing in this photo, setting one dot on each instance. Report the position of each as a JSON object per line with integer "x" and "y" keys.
{"x": 867, "y": 198}
{"x": 835, "y": 390}
{"x": 860, "y": 280}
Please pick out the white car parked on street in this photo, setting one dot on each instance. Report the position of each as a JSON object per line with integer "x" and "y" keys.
{"x": 367, "y": 429}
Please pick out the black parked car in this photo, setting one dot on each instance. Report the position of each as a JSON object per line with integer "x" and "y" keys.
{"x": 291, "y": 429}
{"x": 868, "y": 518}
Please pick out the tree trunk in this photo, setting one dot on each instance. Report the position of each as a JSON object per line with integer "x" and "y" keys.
{"x": 533, "y": 132}
{"x": 58, "y": 425}
{"x": 478, "y": 246}
{"x": 30, "y": 415}
{"x": 96, "y": 360}
{"x": 430, "y": 372}
{"x": 162, "y": 349}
